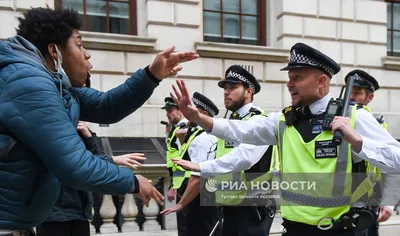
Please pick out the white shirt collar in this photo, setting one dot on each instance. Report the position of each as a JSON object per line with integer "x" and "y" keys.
{"x": 244, "y": 110}
{"x": 319, "y": 106}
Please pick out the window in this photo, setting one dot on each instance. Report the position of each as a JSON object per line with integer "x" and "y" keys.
{"x": 393, "y": 28}
{"x": 235, "y": 21}
{"x": 108, "y": 16}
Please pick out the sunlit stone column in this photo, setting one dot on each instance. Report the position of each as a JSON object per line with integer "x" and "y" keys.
{"x": 129, "y": 211}
{"x": 108, "y": 212}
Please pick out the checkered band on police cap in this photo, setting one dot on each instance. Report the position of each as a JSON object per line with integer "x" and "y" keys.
{"x": 363, "y": 80}
{"x": 303, "y": 59}
{"x": 204, "y": 106}
{"x": 232, "y": 74}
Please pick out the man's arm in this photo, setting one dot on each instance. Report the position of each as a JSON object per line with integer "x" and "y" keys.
{"x": 390, "y": 190}
{"x": 192, "y": 190}
{"x": 240, "y": 158}
{"x": 117, "y": 103}
{"x": 199, "y": 150}
{"x": 378, "y": 147}
{"x": 259, "y": 130}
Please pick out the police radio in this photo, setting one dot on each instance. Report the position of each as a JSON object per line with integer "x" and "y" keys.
{"x": 338, "y": 107}
{"x": 332, "y": 110}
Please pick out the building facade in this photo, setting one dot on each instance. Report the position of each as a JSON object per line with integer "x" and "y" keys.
{"x": 125, "y": 35}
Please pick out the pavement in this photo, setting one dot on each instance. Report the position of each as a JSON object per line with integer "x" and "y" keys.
{"x": 388, "y": 228}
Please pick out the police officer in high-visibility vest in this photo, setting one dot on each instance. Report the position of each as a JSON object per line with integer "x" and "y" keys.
{"x": 198, "y": 147}
{"x": 176, "y": 121}
{"x": 363, "y": 93}
{"x": 244, "y": 162}
{"x": 322, "y": 207}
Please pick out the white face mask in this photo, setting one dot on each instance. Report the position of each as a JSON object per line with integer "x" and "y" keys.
{"x": 58, "y": 65}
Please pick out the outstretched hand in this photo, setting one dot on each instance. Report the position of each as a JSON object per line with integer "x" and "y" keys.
{"x": 187, "y": 165}
{"x": 167, "y": 62}
{"x": 178, "y": 207}
{"x": 131, "y": 160}
{"x": 182, "y": 99}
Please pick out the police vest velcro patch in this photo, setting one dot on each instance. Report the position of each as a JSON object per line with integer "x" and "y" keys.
{"x": 325, "y": 149}
{"x": 229, "y": 144}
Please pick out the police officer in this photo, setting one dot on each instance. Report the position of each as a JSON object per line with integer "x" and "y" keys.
{"x": 240, "y": 218}
{"x": 198, "y": 147}
{"x": 176, "y": 121}
{"x": 363, "y": 93}
{"x": 306, "y": 147}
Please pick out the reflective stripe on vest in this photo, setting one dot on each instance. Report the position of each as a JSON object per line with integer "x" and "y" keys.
{"x": 171, "y": 151}
{"x": 374, "y": 172}
{"x": 178, "y": 173}
{"x": 235, "y": 179}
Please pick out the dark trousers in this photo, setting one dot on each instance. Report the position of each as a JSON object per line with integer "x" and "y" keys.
{"x": 67, "y": 228}
{"x": 181, "y": 217}
{"x": 201, "y": 219}
{"x": 245, "y": 221}
{"x": 299, "y": 229}
{"x": 371, "y": 231}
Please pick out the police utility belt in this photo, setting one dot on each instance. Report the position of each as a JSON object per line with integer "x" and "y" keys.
{"x": 356, "y": 218}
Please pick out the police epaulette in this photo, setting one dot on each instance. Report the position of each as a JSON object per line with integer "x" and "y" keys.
{"x": 290, "y": 114}
{"x": 255, "y": 110}
{"x": 380, "y": 120}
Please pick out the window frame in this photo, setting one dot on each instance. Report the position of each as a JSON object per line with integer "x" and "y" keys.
{"x": 132, "y": 15}
{"x": 391, "y": 30}
{"x": 261, "y": 21}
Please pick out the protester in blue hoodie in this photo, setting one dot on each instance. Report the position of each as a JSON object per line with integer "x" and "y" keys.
{"x": 42, "y": 98}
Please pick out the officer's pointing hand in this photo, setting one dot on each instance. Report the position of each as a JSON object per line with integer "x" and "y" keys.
{"x": 178, "y": 207}
{"x": 349, "y": 135}
{"x": 187, "y": 165}
{"x": 182, "y": 99}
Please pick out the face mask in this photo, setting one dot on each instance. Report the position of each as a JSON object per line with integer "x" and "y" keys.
{"x": 58, "y": 65}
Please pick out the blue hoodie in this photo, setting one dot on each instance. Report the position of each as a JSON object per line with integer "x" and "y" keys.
{"x": 40, "y": 111}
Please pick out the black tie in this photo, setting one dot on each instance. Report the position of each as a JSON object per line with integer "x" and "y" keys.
{"x": 307, "y": 112}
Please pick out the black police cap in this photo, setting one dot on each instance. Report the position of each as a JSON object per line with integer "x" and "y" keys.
{"x": 363, "y": 79}
{"x": 169, "y": 102}
{"x": 302, "y": 55}
{"x": 237, "y": 74}
{"x": 204, "y": 103}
